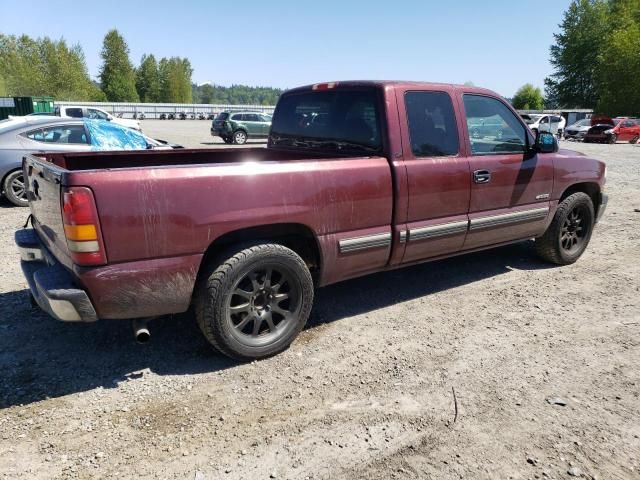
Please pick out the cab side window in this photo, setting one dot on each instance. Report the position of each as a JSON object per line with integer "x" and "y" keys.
{"x": 73, "y": 134}
{"x": 493, "y": 127}
{"x": 432, "y": 124}
{"x": 74, "y": 112}
{"x": 96, "y": 114}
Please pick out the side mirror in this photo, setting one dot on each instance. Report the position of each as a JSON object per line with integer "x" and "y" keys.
{"x": 546, "y": 142}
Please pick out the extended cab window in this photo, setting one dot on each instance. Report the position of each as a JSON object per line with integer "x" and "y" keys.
{"x": 331, "y": 120}
{"x": 432, "y": 124}
{"x": 493, "y": 128}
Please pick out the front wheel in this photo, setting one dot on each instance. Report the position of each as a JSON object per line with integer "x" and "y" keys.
{"x": 634, "y": 139}
{"x": 240, "y": 137}
{"x": 255, "y": 302}
{"x": 15, "y": 189}
{"x": 569, "y": 233}
{"x": 613, "y": 138}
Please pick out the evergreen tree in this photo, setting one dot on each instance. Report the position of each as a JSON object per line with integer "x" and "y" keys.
{"x": 175, "y": 80}
{"x": 117, "y": 75}
{"x": 619, "y": 61}
{"x": 575, "y": 54}
{"x": 148, "y": 79}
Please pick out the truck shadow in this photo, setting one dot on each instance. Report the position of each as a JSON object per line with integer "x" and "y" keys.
{"x": 41, "y": 358}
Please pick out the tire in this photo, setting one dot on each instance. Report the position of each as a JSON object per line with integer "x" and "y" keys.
{"x": 239, "y": 137}
{"x": 237, "y": 305}
{"x": 634, "y": 139}
{"x": 14, "y": 188}
{"x": 612, "y": 138}
{"x": 569, "y": 233}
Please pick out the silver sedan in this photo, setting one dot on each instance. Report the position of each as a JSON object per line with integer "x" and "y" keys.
{"x": 20, "y": 136}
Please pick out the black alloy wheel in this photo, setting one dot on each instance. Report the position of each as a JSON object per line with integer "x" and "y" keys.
{"x": 264, "y": 303}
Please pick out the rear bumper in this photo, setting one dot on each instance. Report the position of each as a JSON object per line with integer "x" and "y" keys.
{"x": 221, "y": 132}
{"x": 50, "y": 283}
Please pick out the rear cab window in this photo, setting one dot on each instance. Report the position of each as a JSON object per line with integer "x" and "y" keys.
{"x": 432, "y": 124}
{"x": 335, "y": 120}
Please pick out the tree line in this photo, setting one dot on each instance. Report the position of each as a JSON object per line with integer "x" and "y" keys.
{"x": 596, "y": 58}
{"x": 42, "y": 66}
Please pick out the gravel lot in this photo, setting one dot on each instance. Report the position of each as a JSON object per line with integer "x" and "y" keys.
{"x": 544, "y": 361}
{"x": 188, "y": 133}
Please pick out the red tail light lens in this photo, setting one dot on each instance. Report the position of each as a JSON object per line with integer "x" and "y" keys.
{"x": 82, "y": 227}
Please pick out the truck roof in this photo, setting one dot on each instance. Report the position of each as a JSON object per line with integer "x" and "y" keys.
{"x": 392, "y": 84}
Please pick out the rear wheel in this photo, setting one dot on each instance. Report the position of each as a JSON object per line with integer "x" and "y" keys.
{"x": 239, "y": 137}
{"x": 613, "y": 138}
{"x": 635, "y": 139}
{"x": 569, "y": 233}
{"x": 256, "y": 302}
{"x": 15, "y": 189}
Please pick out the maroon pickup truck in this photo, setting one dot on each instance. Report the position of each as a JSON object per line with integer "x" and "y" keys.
{"x": 357, "y": 177}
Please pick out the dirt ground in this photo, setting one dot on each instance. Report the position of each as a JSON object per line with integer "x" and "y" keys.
{"x": 544, "y": 362}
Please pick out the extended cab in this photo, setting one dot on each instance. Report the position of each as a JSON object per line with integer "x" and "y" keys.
{"x": 358, "y": 177}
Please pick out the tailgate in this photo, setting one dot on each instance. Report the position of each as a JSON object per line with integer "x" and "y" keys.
{"x": 43, "y": 191}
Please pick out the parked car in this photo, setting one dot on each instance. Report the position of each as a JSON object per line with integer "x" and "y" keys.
{"x": 238, "y": 127}
{"x": 545, "y": 123}
{"x": 20, "y": 136}
{"x": 390, "y": 177}
{"x": 578, "y": 130}
{"x": 600, "y": 126}
{"x": 95, "y": 114}
{"x": 625, "y": 130}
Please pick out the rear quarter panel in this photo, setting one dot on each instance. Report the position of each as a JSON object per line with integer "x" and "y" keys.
{"x": 158, "y": 222}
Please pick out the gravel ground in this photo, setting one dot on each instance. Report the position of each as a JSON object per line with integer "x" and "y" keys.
{"x": 544, "y": 362}
{"x": 188, "y": 133}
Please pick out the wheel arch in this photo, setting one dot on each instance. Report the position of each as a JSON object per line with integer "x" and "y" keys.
{"x": 590, "y": 188}
{"x": 6, "y": 173}
{"x": 296, "y": 236}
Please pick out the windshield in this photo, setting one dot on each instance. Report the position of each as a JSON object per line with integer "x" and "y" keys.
{"x": 585, "y": 122}
{"x": 328, "y": 120}
{"x": 532, "y": 119}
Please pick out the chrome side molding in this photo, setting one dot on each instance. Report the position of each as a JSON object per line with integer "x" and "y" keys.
{"x": 438, "y": 230}
{"x": 348, "y": 245}
{"x": 497, "y": 220}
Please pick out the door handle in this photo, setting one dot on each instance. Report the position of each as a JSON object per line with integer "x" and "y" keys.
{"x": 481, "y": 176}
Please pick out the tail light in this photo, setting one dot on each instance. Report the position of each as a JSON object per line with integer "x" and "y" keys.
{"x": 82, "y": 227}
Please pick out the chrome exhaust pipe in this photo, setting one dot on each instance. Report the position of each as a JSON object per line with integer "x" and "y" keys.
{"x": 141, "y": 330}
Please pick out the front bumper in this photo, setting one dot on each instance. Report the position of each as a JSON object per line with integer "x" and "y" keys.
{"x": 50, "y": 283}
{"x": 604, "y": 198}
{"x": 574, "y": 135}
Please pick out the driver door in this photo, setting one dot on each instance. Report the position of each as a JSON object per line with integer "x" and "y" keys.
{"x": 510, "y": 186}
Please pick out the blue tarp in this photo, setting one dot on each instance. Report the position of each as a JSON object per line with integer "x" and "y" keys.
{"x": 106, "y": 135}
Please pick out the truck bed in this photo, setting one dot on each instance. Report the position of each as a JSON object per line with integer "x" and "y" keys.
{"x": 162, "y": 158}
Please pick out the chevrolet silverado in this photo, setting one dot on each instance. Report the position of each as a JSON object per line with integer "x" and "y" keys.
{"x": 357, "y": 177}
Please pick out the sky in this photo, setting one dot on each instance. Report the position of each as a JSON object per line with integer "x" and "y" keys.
{"x": 497, "y": 44}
